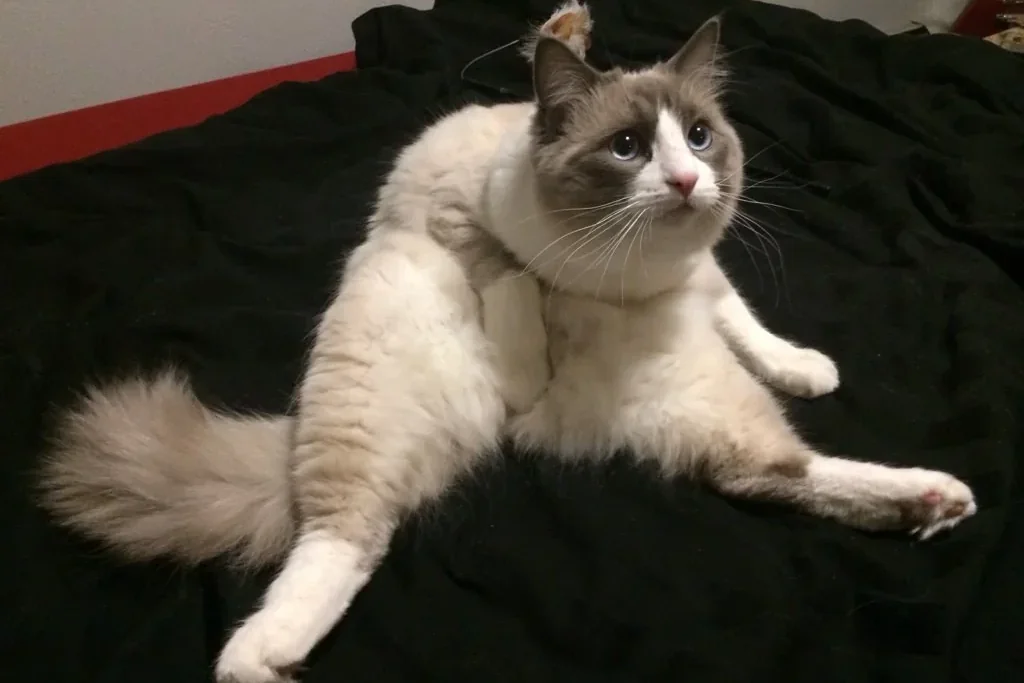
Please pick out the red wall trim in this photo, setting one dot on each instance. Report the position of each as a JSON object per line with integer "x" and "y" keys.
{"x": 65, "y": 137}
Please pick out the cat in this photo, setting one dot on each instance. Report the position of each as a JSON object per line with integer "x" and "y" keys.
{"x": 471, "y": 271}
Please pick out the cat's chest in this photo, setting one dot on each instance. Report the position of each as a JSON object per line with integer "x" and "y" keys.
{"x": 610, "y": 337}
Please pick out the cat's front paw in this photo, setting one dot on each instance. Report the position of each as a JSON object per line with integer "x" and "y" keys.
{"x": 525, "y": 379}
{"x": 257, "y": 653}
{"x": 523, "y": 369}
{"x": 798, "y": 371}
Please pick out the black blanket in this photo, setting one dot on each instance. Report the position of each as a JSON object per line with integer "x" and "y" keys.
{"x": 899, "y": 162}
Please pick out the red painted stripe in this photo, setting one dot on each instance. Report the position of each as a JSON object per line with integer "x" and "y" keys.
{"x": 65, "y": 137}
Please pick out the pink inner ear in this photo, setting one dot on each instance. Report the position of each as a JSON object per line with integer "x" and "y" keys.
{"x": 571, "y": 26}
{"x": 560, "y": 27}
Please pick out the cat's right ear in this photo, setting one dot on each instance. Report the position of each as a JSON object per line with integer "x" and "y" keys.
{"x": 700, "y": 50}
{"x": 560, "y": 77}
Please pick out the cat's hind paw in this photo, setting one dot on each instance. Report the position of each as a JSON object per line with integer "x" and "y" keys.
{"x": 941, "y": 507}
{"x": 256, "y": 654}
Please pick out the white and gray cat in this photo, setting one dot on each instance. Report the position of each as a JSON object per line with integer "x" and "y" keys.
{"x": 613, "y": 188}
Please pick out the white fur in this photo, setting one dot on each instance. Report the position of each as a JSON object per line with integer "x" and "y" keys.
{"x": 786, "y": 366}
{"x": 849, "y": 482}
{"x": 652, "y": 352}
{"x": 673, "y": 157}
{"x": 321, "y": 577}
{"x": 665, "y": 379}
{"x": 795, "y": 370}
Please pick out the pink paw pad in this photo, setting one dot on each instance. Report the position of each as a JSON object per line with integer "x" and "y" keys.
{"x": 934, "y": 499}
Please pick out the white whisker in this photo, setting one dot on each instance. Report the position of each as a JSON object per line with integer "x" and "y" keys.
{"x": 577, "y": 211}
{"x": 610, "y": 221}
{"x": 625, "y": 262}
{"x": 611, "y": 252}
{"x": 764, "y": 236}
{"x": 585, "y": 229}
{"x": 757, "y": 202}
{"x": 643, "y": 235}
{"x": 750, "y": 159}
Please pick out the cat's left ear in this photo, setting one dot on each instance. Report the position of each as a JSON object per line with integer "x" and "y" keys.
{"x": 560, "y": 76}
{"x": 700, "y": 50}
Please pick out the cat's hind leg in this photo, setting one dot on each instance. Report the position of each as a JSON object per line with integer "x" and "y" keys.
{"x": 753, "y": 452}
{"x": 866, "y": 495}
{"x": 711, "y": 420}
{"x": 399, "y": 399}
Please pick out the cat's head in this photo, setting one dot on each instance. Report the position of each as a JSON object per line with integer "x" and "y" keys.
{"x": 653, "y": 142}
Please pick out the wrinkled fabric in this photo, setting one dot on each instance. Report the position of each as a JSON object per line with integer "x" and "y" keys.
{"x": 886, "y": 180}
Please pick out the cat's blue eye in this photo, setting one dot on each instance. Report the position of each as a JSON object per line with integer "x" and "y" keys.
{"x": 698, "y": 137}
{"x": 625, "y": 145}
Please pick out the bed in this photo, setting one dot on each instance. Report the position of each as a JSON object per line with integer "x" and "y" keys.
{"x": 888, "y": 173}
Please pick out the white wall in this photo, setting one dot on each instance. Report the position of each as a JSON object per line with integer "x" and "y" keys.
{"x": 59, "y": 55}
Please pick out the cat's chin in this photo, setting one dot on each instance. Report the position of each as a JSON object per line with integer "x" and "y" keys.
{"x": 678, "y": 211}
{"x": 689, "y": 227}
{"x": 675, "y": 206}
{"x": 664, "y": 207}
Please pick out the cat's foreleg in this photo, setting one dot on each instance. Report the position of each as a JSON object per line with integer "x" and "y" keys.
{"x": 796, "y": 370}
{"x": 399, "y": 399}
{"x": 514, "y": 324}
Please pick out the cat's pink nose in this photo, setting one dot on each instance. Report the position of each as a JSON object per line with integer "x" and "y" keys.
{"x": 683, "y": 182}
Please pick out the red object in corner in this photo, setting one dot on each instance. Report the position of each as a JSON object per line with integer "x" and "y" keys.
{"x": 979, "y": 18}
{"x": 72, "y": 135}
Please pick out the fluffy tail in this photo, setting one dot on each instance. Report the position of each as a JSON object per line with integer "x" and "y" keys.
{"x": 145, "y": 468}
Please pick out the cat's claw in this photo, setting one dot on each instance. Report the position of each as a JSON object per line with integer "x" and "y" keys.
{"x": 942, "y": 507}
{"x": 925, "y": 502}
